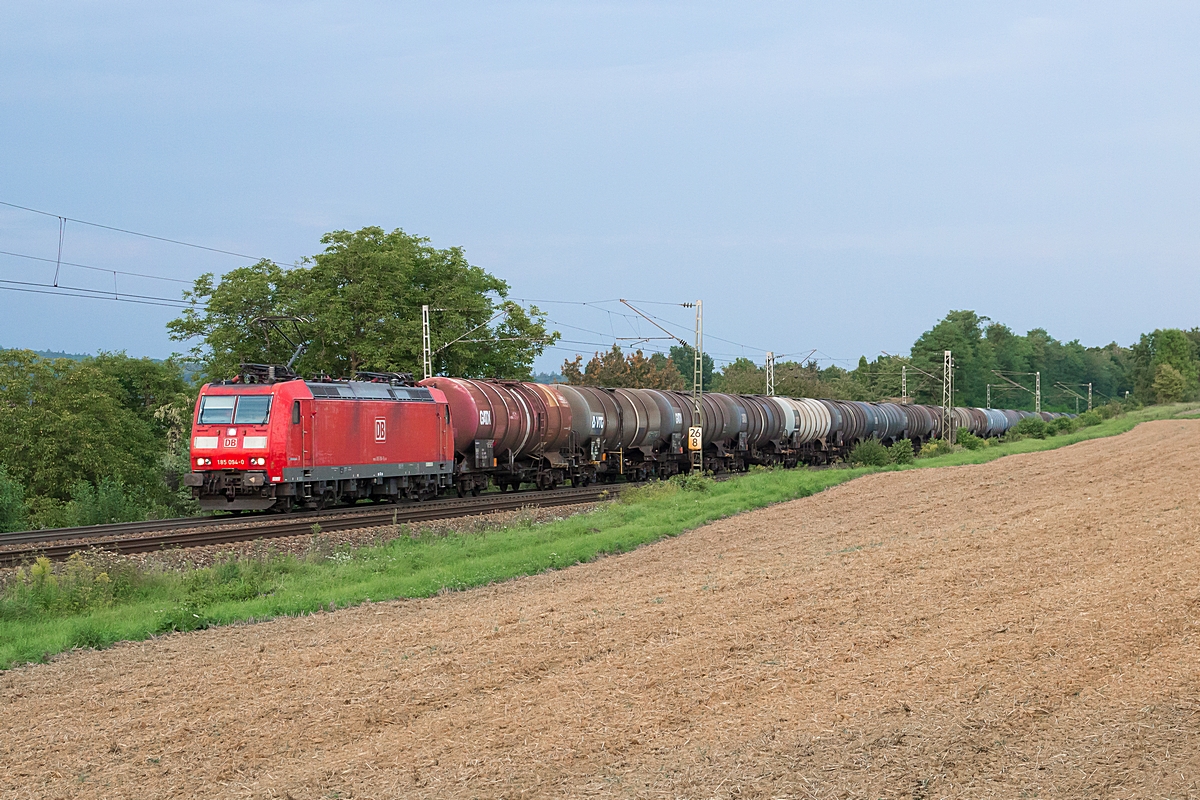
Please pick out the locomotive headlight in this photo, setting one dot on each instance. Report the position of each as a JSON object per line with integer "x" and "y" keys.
{"x": 200, "y": 462}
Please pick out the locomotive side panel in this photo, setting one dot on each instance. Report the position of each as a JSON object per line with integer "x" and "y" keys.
{"x": 376, "y": 438}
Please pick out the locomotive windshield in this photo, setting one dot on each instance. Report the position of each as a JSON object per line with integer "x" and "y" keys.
{"x": 220, "y": 409}
{"x": 253, "y": 410}
{"x": 215, "y": 410}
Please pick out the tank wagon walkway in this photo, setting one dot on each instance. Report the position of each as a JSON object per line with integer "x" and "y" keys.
{"x": 1024, "y": 627}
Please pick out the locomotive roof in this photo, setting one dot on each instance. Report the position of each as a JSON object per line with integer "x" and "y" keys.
{"x": 363, "y": 390}
{"x": 345, "y": 390}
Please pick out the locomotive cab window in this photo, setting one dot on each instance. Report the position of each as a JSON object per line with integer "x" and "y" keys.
{"x": 216, "y": 410}
{"x": 253, "y": 410}
{"x": 295, "y": 412}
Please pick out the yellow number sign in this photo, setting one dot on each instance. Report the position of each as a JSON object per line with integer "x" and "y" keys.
{"x": 695, "y": 435}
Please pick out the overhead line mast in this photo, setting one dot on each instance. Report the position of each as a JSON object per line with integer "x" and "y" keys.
{"x": 949, "y": 430}
{"x": 696, "y": 436}
{"x": 426, "y": 348}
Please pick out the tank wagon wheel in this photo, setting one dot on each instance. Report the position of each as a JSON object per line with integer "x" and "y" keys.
{"x": 475, "y": 490}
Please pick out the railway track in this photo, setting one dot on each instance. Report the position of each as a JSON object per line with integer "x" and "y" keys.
{"x": 198, "y": 532}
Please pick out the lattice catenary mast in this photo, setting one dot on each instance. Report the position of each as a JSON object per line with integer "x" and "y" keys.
{"x": 948, "y": 427}
{"x": 698, "y": 384}
{"x": 426, "y": 347}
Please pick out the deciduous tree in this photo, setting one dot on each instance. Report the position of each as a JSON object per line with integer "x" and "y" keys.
{"x": 615, "y": 369}
{"x": 361, "y": 301}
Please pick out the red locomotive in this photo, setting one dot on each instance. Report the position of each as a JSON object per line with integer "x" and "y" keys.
{"x": 278, "y": 445}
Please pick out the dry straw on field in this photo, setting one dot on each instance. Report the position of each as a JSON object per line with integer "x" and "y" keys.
{"x": 1021, "y": 628}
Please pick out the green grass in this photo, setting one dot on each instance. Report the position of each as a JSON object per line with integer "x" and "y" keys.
{"x": 91, "y": 603}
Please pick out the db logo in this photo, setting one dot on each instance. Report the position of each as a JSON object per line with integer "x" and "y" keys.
{"x": 381, "y": 430}
{"x": 229, "y": 443}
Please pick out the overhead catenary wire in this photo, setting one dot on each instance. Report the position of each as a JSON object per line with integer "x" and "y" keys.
{"x": 60, "y": 262}
{"x": 63, "y": 291}
{"x": 130, "y": 232}
{"x": 101, "y": 293}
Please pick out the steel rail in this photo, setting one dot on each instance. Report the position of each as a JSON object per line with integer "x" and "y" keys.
{"x": 114, "y": 529}
{"x": 283, "y": 526}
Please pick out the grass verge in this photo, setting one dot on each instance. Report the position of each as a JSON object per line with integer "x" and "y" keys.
{"x": 96, "y": 601}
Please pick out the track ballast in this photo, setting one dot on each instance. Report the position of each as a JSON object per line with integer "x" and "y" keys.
{"x": 200, "y": 532}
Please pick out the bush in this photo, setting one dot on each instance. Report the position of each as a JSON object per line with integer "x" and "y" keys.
{"x": 105, "y": 502}
{"x": 901, "y": 451}
{"x": 1063, "y": 425}
{"x": 77, "y": 586}
{"x": 870, "y": 453}
{"x": 692, "y": 482}
{"x": 1032, "y": 427}
{"x": 13, "y": 514}
{"x": 654, "y": 490}
{"x": 1088, "y": 418}
{"x": 938, "y": 447}
{"x": 1112, "y": 408}
{"x": 969, "y": 440}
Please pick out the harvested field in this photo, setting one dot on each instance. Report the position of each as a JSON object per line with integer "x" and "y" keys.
{"x": 1021, "y": 628}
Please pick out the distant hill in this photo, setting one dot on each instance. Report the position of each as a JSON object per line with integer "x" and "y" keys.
{"x": 56, "y": 354}
{"x": 189, "y": 369}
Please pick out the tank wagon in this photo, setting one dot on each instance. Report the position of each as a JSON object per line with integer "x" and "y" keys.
{"x": 261, "y": 442}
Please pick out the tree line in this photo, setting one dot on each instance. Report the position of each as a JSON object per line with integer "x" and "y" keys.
{"x": 105, "y": 438}
{"x": 102, "y": 439}
{"x": 1162, "y": 367}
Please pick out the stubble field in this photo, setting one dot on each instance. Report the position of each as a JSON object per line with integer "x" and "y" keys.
{"x": 1025, "y": 627}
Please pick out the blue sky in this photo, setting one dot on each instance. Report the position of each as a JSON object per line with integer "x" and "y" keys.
{"x": 829, "y": 177}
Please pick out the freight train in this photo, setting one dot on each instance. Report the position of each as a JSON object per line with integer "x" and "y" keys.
{"x": 261, "y": 442}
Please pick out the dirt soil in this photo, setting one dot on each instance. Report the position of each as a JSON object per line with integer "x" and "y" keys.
{"x": 1026, "y": 628}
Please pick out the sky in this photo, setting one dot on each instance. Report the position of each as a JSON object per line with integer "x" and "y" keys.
{"x": 827, "y": 177}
